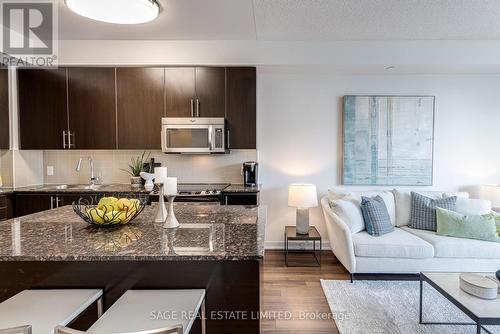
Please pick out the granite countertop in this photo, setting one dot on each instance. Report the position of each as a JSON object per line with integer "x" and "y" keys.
{"x": 51, "y": 188}
{"x": 206, "y": 233}
{"x": 241, "y": 188}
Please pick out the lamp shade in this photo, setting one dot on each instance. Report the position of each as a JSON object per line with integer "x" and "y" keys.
{"x": 491, "y": 192}
{"x": 302, "y": 195}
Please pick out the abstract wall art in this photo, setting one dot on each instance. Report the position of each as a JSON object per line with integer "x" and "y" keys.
{"x": 388, "y": 140}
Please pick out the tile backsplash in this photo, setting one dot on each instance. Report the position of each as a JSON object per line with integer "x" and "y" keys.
{"x": 109, "y": 165}
{"x": 6, "y": 167}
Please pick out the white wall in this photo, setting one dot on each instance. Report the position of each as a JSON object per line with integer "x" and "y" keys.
{"x": 299, "y": 132}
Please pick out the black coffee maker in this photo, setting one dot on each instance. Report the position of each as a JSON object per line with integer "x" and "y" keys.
{"x": 249, "y": 170}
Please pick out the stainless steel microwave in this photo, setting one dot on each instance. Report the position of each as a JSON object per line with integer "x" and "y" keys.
{"x": 193, "y": 135}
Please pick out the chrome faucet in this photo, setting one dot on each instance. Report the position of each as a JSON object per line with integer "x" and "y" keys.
{"x": 91, "y": 162}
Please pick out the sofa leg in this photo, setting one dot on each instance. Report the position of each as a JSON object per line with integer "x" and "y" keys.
{"x": 352, "y": 277}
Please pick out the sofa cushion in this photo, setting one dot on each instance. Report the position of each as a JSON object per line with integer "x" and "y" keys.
{"x": 375, "y": 215}
{"x": 349, "y": 211}
{"x": 450, "y": 247}
{"x": 402, "y": 198}
{"x": 423, "y": 210}
{"x": 387, "y": 195}
{"x": 473, "y": 207}
{"x": 397, "y": 244}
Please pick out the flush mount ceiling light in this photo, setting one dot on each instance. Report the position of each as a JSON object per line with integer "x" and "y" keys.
{"x": 116, "y": 11}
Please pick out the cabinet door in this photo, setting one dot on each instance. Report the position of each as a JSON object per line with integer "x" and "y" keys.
{"x": 92, "y": 110}
{"x": 140, "y": 107}
{"x": 68, "y": 199}
{"x": 42, "y": 108}
{"x": 179, "y": 91}
{"x": 241, "y": 107}
{"x": 31, "y": 203}
{"x": 4, "y": 109}
{"x": 210, "y": 92}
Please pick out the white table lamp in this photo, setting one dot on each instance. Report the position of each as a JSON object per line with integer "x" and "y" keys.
{"x": 302, "y": 197}
{"x": 491, "y": 192}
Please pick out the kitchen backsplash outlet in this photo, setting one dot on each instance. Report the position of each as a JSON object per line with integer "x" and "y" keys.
{"x": 109, "y": 166}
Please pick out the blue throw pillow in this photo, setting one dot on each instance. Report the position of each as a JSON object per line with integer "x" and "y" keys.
{"x": 376, "y": 216}
{"x": 423, "y": 211}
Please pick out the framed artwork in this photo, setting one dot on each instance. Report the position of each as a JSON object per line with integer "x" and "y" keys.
{"x": 388, "y": 140}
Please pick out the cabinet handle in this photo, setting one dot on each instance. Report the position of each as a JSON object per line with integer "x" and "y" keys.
{"x": 64, "y": 139}
{"x": 192, "y": 108}
{"x": 70, "y": 144}
{"x": 197, "y": 108}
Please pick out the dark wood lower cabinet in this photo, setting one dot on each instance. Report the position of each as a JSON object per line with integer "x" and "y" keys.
{"x": 28, "y": 203}
{"x": 6, "y": 207}
{"x": 31, "y": 203}
{"x": 232, "y": 287}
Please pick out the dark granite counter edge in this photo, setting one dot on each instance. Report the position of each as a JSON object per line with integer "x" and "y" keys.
{"x": 98, "y": 258}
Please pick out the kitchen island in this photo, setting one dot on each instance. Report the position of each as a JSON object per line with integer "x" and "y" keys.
{"x": 217, "y": 248}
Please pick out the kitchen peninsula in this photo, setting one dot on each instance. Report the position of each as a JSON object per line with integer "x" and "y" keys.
{"x": 217, "y": 248}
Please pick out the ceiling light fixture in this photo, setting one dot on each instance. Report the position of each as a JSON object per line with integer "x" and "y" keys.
{"x": 116, "y": 11}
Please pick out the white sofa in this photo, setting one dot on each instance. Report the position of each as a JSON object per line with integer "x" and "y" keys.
{"x": 406, "y": 250}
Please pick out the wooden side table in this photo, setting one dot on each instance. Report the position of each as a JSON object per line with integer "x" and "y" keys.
{"x": 313, "y": 235}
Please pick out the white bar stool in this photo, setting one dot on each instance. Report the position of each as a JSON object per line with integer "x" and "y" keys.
{"x": 43, "y": 310}
{"x": 151, "y": 312}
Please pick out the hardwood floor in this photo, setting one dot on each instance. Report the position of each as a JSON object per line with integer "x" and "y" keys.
{"x": 296, "y": 292}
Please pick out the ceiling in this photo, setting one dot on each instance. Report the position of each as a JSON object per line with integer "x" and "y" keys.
{"x": 299, "y": 20}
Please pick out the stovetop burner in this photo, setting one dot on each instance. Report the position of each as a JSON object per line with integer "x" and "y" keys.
{"x": 200, "y": 189}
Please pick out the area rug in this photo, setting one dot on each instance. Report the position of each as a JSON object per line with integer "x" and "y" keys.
{"x": 391, "y": 307}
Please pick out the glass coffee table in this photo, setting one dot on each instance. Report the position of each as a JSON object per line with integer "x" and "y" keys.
{"x": 483, "y": 312}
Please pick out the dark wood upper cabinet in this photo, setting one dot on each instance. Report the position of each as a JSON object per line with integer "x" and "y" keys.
{"x": 140, "y": 98}
{"x": 92, "y": 109}
{"x": 42, "y": 108}
{"x": 180, "y": 91}
{"x": 4, "y": 109}
{"x": 210, "y": 92}
{"x": 241, "y": 107}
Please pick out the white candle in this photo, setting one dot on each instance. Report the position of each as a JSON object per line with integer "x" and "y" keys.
{"x": 171, "y": 186}
{"x": 160, "y": 174}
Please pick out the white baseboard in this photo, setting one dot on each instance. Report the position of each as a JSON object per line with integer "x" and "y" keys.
{"x": 294, "y": 245}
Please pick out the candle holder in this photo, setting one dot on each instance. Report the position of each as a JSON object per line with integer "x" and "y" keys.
{"x": 171, "y": 221}
{"x": 161, "y": 214}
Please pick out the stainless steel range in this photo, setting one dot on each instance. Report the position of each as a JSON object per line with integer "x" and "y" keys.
{"x": 200, "y": 192}
{"x": 210, "y": 193}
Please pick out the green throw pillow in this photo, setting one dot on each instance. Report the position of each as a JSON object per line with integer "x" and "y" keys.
{"x": 454, "y": 224}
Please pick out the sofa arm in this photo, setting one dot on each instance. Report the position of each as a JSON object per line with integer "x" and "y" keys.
{"x": 340, "y": 237}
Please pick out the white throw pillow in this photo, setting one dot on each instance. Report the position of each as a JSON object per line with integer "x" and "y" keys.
{"x": 387, "y": 196}
{"x": 459, "y": 194}
{"x": 403, "y": 203}
{"x": 349, "y": 211}
{"x": 473, "y": 207}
